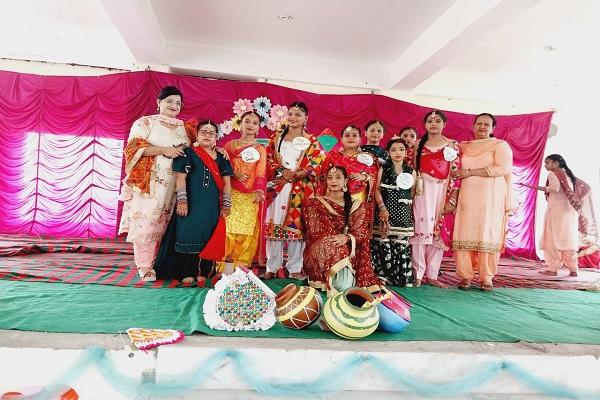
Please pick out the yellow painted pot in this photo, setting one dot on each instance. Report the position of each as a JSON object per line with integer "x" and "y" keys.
{"x": 352, "y": 314}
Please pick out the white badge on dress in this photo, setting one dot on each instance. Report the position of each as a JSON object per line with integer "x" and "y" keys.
{"x": 301, "y": 143}
{"x": 365, "y": 158}
{"x": 250, "y": 155}
{"x": 405, "y": 180}
{"x": 450, "y": 154}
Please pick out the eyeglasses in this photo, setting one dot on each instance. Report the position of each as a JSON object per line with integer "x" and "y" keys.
{"x": 172, "y": 102}
{"x": 204, "y": 132}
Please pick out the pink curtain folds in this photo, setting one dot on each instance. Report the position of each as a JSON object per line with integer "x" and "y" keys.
{"x": 62, "y": 140}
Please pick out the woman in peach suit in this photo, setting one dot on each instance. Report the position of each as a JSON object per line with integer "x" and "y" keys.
{"x": 484, "y": 202}
{"x": 565, "y": 217}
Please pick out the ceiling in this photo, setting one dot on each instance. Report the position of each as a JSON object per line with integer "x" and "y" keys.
{"x": 530, "y": 51}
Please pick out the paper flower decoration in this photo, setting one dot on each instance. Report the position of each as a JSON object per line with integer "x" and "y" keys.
{"x": 241, "y": 106}
{"x": 236, "y": 122}
{"x": 262, "y": 105}
{"x": 272, "y": 124}
{"x": 225, "y": 128}
{"x": 278, "y": 112}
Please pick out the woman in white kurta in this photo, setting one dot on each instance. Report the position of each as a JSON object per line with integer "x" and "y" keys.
{"x": 149, "y": 187}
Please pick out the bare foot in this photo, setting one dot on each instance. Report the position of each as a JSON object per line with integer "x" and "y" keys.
{"x": 548, "y": 272}
{"x": 573, "y": 273}
{"x": 464, "y": 284}
{"x": 188, "y": 281}
{"x": 487, "y": 287}
{"x": 435, "y": 282}
{"x": 417, "y": 282}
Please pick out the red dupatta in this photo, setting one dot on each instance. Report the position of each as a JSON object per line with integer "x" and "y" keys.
{"x": 215, "y": 248}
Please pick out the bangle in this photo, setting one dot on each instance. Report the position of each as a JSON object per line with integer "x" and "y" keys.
{"x": 452, "y": 201}
{"x": 226, "y": 203}
{"x": 381, "y": 206}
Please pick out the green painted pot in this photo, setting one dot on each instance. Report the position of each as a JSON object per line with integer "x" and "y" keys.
{"x": 352, "y": 314}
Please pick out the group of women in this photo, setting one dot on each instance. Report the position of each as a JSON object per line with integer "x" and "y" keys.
{"x": 358, "y": 215}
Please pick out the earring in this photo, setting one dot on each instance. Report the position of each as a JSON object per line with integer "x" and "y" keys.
{"x": 345, "y": 188}
{"x": 157, "y": 109}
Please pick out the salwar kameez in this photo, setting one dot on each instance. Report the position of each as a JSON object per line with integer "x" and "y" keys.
{"x": 482, "y": 209}
{"x": 560, "y": 239}
{"x": 149, "y": 203}
{"x": 283, "y": 219}
{"x": 187, "y": 236}
{"x": 428, "y": 208}
{"x": 244, "y": 223}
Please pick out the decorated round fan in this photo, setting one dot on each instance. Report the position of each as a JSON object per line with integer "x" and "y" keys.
{"x": 145, "y": 339}
{"x": 240, "y": 302}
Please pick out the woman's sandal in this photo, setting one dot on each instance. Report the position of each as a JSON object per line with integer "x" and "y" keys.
{"x": 298, "y": 275}
{"x": 465, "y": 284}
{"x": 147, "y": 274}
{"x": 267, "y": 275}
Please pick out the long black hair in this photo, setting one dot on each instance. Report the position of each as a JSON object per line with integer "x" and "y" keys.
{"x": 563, "y": 164}
{"x": 426, "y": 136}
{"x": 347, "y": 197}
{"x": 300, "y": 105}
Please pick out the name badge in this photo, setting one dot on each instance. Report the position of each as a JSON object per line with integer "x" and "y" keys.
{"x": 365, "y": 159}
{"x": 250, "y": 155}
{"x": 300, "y": 143}
{"x": 450, "y": 154}
{"x": 405, "y": 180}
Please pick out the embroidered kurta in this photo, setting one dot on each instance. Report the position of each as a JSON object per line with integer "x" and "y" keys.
{"x": 283, "y": 219}
{"x": 146, "y": 215}
{"x": 322, "y": 260}
{"x": 484, "y": 201}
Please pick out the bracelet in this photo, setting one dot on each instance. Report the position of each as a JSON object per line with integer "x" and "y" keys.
{"x": 452, "y": 201}
{"x": 181, "y": 195}
{"x": 226, "y": 200}
{"x": 381, "y": 206}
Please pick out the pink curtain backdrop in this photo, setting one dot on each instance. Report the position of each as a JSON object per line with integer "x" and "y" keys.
{"x": 62, "y": 140}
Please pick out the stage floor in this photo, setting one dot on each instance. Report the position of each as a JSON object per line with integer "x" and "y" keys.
{"x": 110, "y": 262}
{"x": 88, "y": 286}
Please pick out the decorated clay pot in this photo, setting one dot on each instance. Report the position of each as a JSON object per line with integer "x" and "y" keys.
{"x": 352, "y": 314}
{"x": 298, "y": 307}
{"x": 389, "y": 321}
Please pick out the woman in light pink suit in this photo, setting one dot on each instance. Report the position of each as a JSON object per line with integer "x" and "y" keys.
{"x": 565, "y": 217}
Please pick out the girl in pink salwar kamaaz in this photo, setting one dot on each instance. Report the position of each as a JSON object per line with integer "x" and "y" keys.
{"x": 567, "y": 216}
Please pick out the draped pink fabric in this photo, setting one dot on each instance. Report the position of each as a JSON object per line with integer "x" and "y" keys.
{"x": 62, "y": 140}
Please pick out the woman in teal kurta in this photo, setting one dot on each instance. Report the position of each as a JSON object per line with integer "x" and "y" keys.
{"x": 202, "y": 183}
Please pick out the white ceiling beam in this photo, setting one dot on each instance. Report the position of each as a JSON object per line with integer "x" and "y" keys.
{"x": 139, "y": 27}
{"x": 466, "y": 22}
{"x": 226, "y": 62}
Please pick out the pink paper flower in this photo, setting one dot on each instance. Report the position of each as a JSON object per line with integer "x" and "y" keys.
{"x": 241, "y": 106}
{"x": 278, "y": 112}
{"x": 272, "y": 124}
{"x": 226, "y": 128}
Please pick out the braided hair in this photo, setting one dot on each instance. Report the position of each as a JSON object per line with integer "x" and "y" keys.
{"x": 347, "y": 196}
{"x": 563, "y": 165}
{"x": 426, "y": 136}
{"x": 300, "y": 105}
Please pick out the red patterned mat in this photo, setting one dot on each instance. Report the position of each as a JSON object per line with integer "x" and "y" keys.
{"x": 110, "y": 262}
